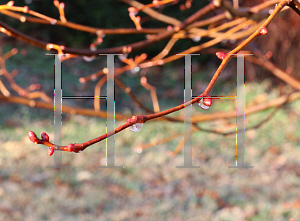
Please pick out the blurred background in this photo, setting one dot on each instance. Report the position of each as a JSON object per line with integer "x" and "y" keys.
{"x": 150, "y": 187}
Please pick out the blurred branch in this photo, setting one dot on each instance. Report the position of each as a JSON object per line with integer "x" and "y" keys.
{"x": 295, "y": 5}
{"x": 262, "y": 61}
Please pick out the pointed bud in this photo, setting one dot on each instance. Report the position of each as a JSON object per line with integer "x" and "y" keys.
{"x": 263, "y": 31}
{"x": 45, "y": 137}
{"x": 221, "y": 55}
{"x": 50, "y": 151}
{"x": 32, "y": 136}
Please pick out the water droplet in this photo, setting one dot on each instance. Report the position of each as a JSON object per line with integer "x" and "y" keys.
{"x": 100, "y": 33}
{"x": 224, "y": 42}
{"x": 93, "y": 47}
{"x": 217, "y": 3}
{"x": 160, "y": 62}
{"x": 135, "y": 13}
{"x": 196, "y": 39}
{"x": 88, "y": 59}
{"x": 232, "y": 41}
{"x": 136, "y": 127}
{"x": 49, "y": 47}
{"x": 123, "y": 56}
{"x": 205, "y": 103}
{"x": 135, "y": 70}
{"x": 53, "y": 22}
{"x": 138, "y": 150}
{"x": 22, "y": 18}
{"x": 93, "y": 77}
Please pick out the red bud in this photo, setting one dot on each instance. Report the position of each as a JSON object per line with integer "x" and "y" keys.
{"x": 50, "y": 151}
{"x": 207, "y": 101}
{"x": 130, "y": 120}
{"x": 32, "y": 136}
{"x": 263, "y": 31}
{"x": 221, "y": 55}
{"x": 45, "y": 137}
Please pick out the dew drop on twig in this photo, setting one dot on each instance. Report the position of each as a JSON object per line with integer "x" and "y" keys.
{"x": 53, "y": 22}
{"x": 205, "y": 103}
{"x": 138, "y": 150}
{"x": 196, "y": 39}
{"x": 224, "y": 42}
{"x": 123, "y": 56}
{"x": 232, "y": 41}
{"x": 135, "y": 70}
{"x": 136, "y": 127}
{"x": 93, "y": 47}
{"x": 160, "y": 62}
{"x": 88, "y": 59}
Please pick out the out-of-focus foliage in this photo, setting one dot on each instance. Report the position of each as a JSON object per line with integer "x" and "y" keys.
{"x": 96, "y": 13}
